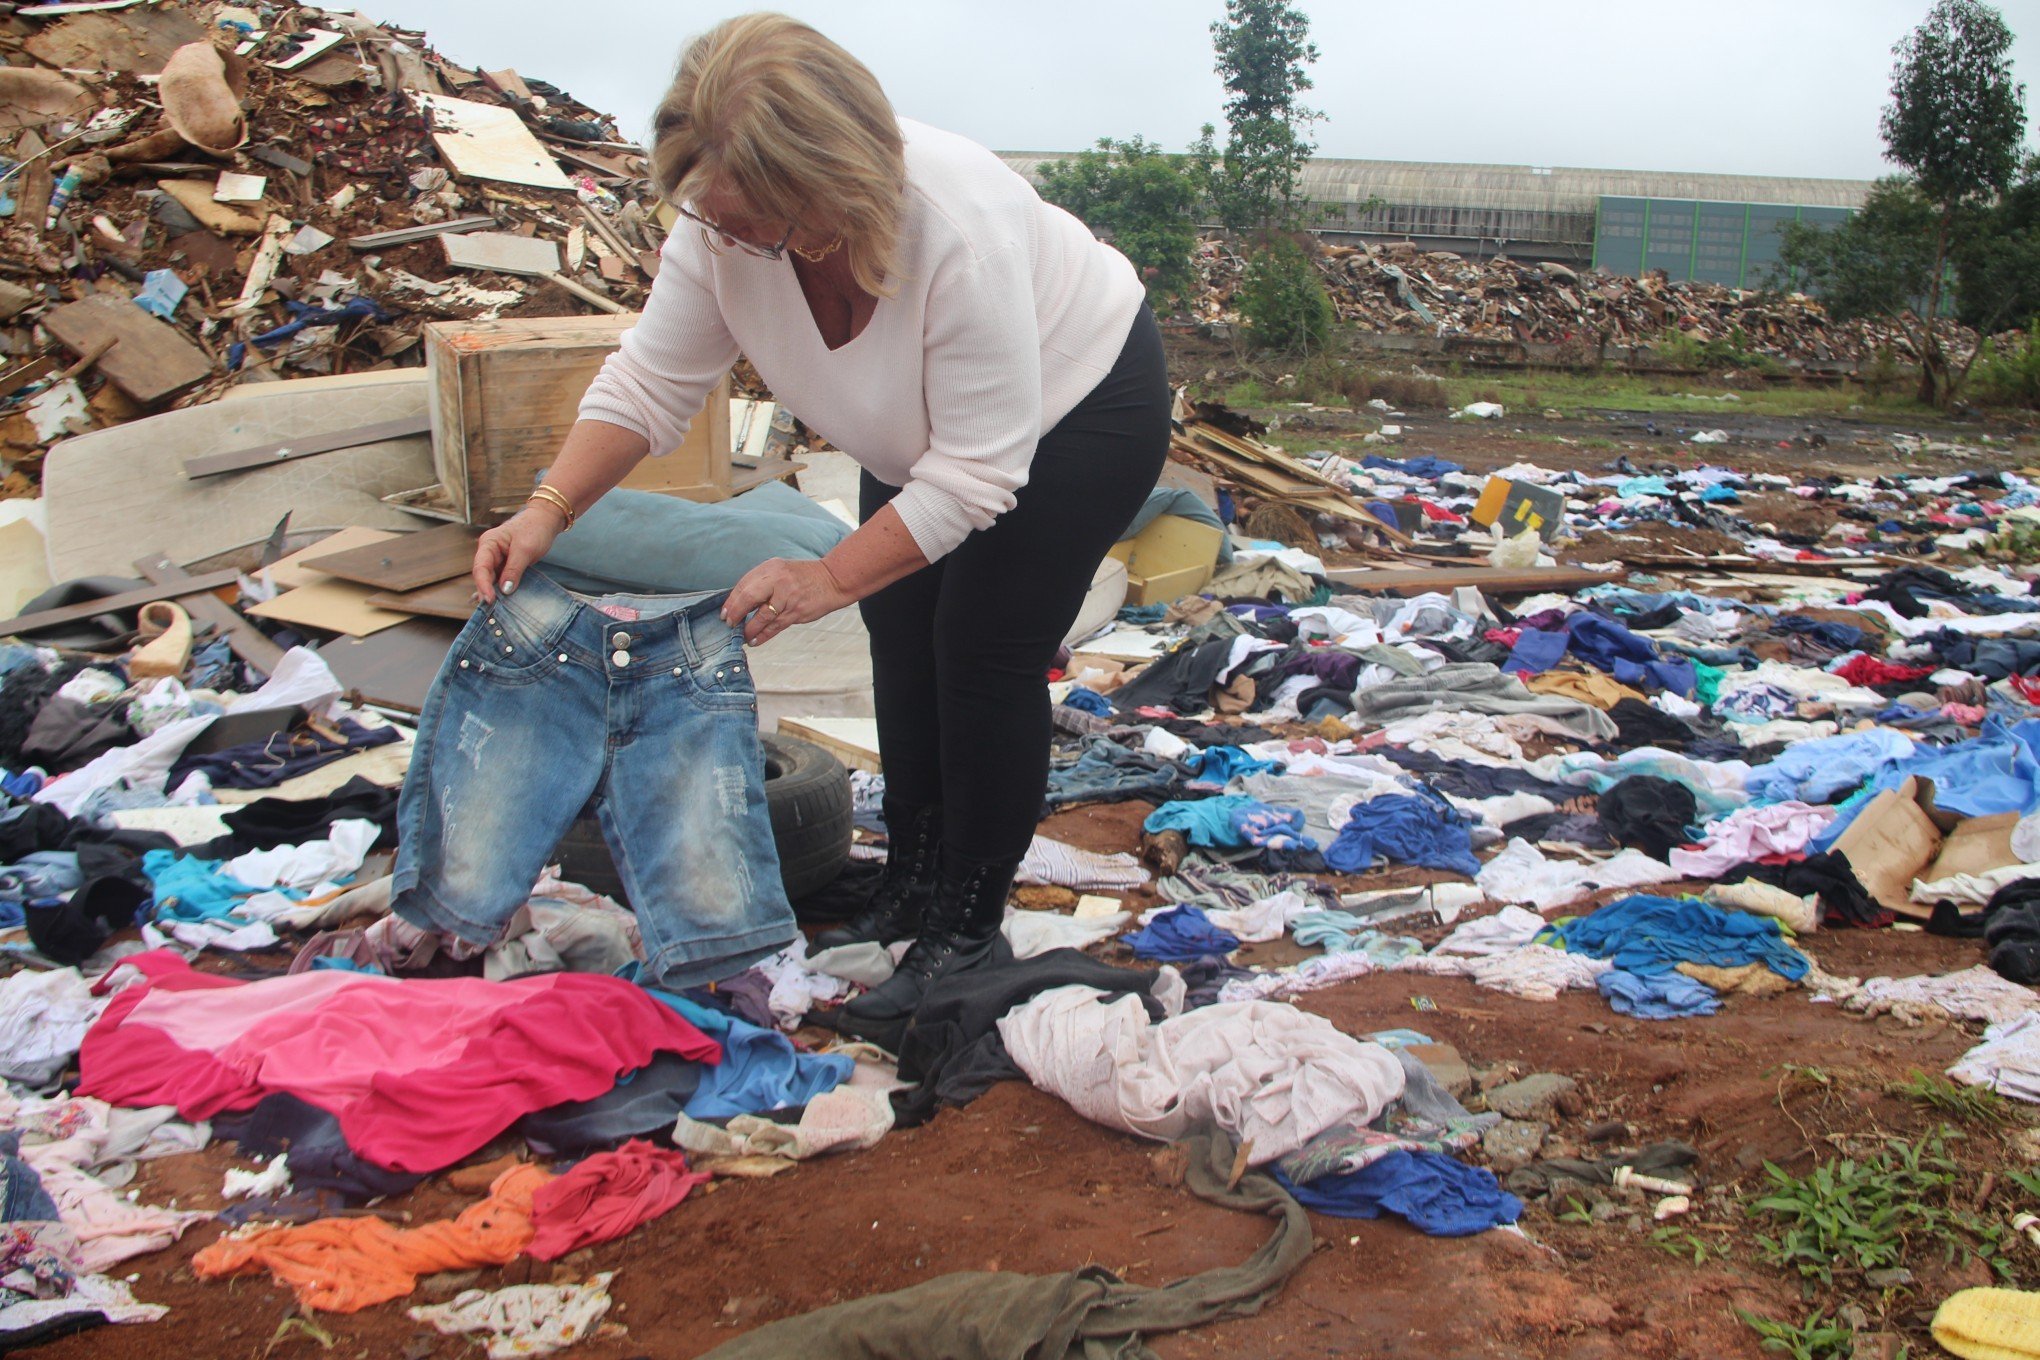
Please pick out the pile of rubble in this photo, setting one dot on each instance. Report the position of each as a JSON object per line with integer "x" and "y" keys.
{"x": 1394, "y": 287}
{"x": 198, "y": 195}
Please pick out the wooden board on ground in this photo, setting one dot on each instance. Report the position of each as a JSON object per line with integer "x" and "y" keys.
{"x": 288, "y": 573}
{"x": 247, "y": 641}
{"x": 149, "y": 359}
{"x": 451, "y": 599}
{"x": 265, "y": 455}
{"x": 488, "y": 141}
{"x": 1495, "y": 580}
{"x": 393, "y": 669}
{"x": 113, "y": 604}
{"x": 331, "y": 605}
{"x": 134, "y": 44}
{"x": 854, "y": 741}
{"x": 406, "y": 561}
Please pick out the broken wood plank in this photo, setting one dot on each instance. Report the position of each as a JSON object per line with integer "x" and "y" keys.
{"x": 509, "y": 84}
{"x": 395, "y": 668}
{"x": 502, "y": 252}
{"x": 488, "y": 141}
{"x": 403, "y": 236}
{"x": 114, "y": 604}
{"x": 1499, "y": 580}
{"x": 151, "y": 359}
{"x": 453, "y": 598}
{"x": 407, "y": 561}
{"x": 246, "y": 641}
{"x": 262, "y": 272}
{"x": 263, "y": 455}
{"x": 282, "y": 160}
{"x": 587, "y": 295}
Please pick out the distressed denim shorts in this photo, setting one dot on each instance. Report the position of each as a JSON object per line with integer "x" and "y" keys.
{"x": 640, "y": 704}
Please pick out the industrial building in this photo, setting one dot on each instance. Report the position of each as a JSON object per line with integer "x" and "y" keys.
{"x": 1720, "y": 228}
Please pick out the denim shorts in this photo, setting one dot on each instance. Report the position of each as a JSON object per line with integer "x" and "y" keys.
{"x": 640, "y": 704}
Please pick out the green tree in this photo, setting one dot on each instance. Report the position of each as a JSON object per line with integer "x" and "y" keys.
{"x": 1140, "y": 197}
{"x": 1956, "y": 121}
{"x": 1997, "y": 265}
{"x": 1262, "y": 48}
{"x": 1878, "y": 263}
{"x": 1283, "y": 300}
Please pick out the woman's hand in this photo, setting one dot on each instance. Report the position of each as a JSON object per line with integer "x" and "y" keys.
{"x": 777, "y": 594}
{"x": 503, "y": 553}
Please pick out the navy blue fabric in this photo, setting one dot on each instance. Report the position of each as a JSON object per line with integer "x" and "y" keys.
{"x": 1436, "y": 1194}
{"x": 1423, "y": 465}
{"x": 1181, "y": 933}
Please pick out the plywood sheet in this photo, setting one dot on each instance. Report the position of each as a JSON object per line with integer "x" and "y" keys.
{"x": 393, "y": 669}
{"x": 503, "y": 252}
{"x": 407, "y": 561}
{"x": 290, "y": 572}
{"x": 488, "y": 141}
{"x": 454, "y": 599}
{"x": 149, "y": 360}
{"x": 854, "y": 741}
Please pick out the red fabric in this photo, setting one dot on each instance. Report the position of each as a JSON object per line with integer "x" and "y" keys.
{"x": 1870, "y": 671}
{"x": 419, "y": 1072}
{"x": 2028, "y": 687}
{"x": 1438, "y": 514}
{"x": 606, "y": 1196}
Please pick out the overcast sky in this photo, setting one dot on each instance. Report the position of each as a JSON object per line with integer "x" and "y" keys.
{"x": 1772, "y": 87}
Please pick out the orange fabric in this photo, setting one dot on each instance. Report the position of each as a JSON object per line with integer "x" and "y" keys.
{"x": 342, "y": 1265}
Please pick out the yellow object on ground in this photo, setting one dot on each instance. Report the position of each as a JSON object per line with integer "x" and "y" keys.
{"x": 1990, "y": 1324}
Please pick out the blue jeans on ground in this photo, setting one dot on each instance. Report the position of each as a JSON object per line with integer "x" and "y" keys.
{"x": 547, "y": 702}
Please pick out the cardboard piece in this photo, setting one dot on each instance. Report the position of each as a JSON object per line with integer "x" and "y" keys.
{"x": 24, "y": 565}
{"x": 333, "y": 605}
{"x": 1519, "y": 506}
{"x": 235, "y": 187}
{"x": 854, "y": 741}
{"x": 488, "y": 141}
{"x": 1900, "y": 836}
{"x": 195, "y": 196}
{"x": 1169, "y": 559}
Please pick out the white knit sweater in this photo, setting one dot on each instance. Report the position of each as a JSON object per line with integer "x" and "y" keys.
{"x": 1008, "y": 312}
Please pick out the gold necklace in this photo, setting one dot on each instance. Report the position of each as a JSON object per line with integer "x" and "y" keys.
{"x": 817, "y": 256}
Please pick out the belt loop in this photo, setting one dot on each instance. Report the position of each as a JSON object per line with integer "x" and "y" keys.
{"x": 684, "y": 621}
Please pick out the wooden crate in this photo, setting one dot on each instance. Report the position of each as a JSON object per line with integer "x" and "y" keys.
{"x": 504, "y": 395}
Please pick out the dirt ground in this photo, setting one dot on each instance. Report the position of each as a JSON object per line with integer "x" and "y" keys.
{"x": 1018, "y": 1182}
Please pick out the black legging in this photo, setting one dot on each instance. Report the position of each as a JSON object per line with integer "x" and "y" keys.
{"x": 960, "y": 650}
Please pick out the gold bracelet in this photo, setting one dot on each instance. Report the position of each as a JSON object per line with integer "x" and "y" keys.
{"x": 555, "y": 498}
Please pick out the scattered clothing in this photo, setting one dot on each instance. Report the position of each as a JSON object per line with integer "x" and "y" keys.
{"x": 606, "y": 1196}
{"x": 1435, "y": 1193}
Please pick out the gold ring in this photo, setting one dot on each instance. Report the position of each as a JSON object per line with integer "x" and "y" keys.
{"x": 773, "y": 607}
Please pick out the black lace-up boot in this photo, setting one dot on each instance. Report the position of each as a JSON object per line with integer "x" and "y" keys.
{"x": 958, "y": 933}
{"x": 903, "y": 894}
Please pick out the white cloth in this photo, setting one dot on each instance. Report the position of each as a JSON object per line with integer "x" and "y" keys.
{"x": 1522, "y": 873}
{"x": 1267, "y": 919}
{"x": 1269, "y": 1075}
{"x": 1972, "y": 994}
{"x": 110, "y": 1228}
{"x": 1507, "y": 930}
{"x": 1037, "y": 932}
{"x": 796, "y": 988}
{"x": 1534, "y": 972}
{"x": 2008, "y": 1059}
{"x": 300, "y": 866}
{"x": 43, "y": 1019}
{"x": 111, "y": 1299}
{"x": 1008, "y": 312}
{"x": 523, "y": 1319}
{"x": 840, "y": 1120}
{"x": 301, "y": 680}
{"x": 1054, "y": 864}
{"x": 1313, "y": 974}
{"x": 144, "y": 765}
{"x": 1971, "y": 890}
{"x": 1800, "y": 914}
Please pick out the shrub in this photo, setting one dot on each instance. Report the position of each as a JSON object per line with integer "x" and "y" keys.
{"x": 1283, "y": 301}
{"x": 2008, "y": 376}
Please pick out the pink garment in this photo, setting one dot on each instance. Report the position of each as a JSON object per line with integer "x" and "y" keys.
{"x": 109, "y": 1227}
{"x": 419, "y": 1072}
{"x": 1969, "y": 715}
{"x": 606, "y": 1196}
{"x": 1752, "y": 833}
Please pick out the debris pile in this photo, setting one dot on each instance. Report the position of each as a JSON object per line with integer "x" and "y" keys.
{"x": 1394, "y": 287}
{"x": 199, "y": 195}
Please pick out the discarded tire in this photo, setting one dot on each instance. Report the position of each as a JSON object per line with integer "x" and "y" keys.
{"x": 807, "y": 792}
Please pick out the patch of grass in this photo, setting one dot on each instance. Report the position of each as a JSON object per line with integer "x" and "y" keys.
{"x": 1572, "y": 393}
{"x": 1970, "y": 1104}
{"x": 1820, "y": 1337}
{"x": 1577, "y": 1211}
{"x": 1247, "y": 392}
{"x": 1874, "y": 1214}
{"x": 1679, "y": 1242}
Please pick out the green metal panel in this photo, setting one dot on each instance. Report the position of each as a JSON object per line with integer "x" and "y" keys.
{"x": 1730, "y": 243}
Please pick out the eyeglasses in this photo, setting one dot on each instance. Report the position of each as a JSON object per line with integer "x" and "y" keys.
{"x": 711, "y": 233}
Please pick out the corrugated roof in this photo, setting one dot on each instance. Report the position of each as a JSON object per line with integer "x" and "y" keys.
{"x": 1555, "y": 189}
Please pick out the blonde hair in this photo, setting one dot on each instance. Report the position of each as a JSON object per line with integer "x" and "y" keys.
{"x": 765, "y": 108}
